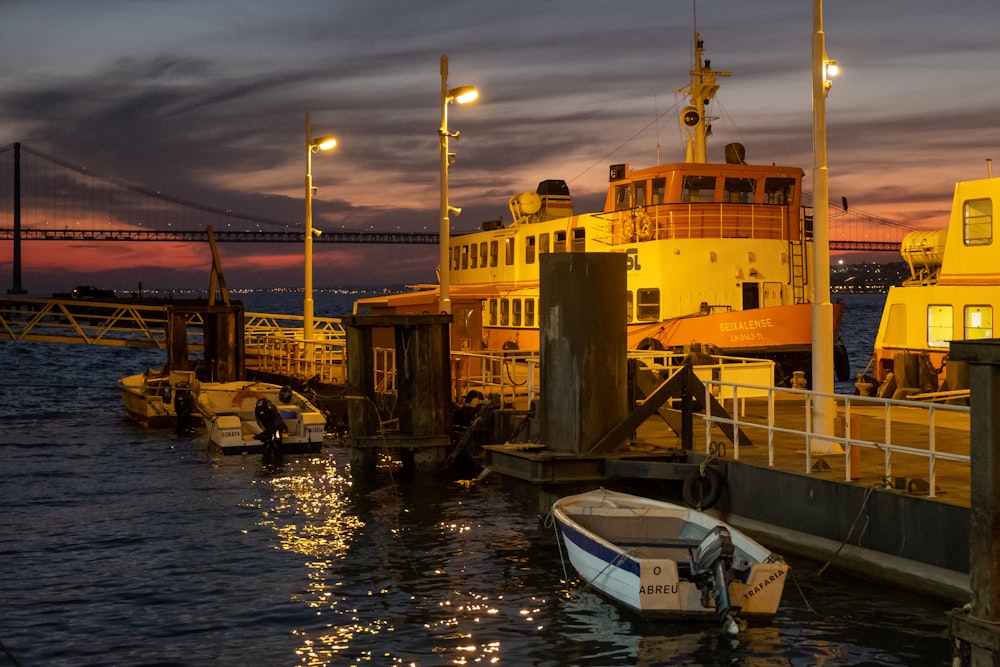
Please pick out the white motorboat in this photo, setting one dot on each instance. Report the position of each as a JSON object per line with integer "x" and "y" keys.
{"x": 260, "y": 417}
{"x": 661, "y": 559}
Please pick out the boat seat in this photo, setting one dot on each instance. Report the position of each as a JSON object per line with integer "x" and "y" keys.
{"x": 659, "y": 543}
{"x": 292, "y": 415}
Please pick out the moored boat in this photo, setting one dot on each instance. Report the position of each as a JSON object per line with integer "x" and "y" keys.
{"x": 952, "y": 294}
{"x": 254, "y": 417}
{"x": 662, "y": 559}
{"x": 152, "y": 398}
{"x": 716, "y": 253}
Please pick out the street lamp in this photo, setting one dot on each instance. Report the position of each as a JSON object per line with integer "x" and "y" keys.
{"x": 824, "y": 408}
{"x": 312, "y": 146}
{"x": 461, "y": 95}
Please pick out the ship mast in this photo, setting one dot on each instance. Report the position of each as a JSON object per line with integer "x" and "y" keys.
{"x": 700, "y": 92}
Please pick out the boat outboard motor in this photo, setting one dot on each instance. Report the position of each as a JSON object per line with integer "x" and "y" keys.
{"x": 183, "y": 407}
{"x": 272, "y": 425}
{"x": 711, "y": 564}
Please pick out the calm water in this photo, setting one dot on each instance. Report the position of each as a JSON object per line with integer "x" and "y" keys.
{"x": 124, "y": 546}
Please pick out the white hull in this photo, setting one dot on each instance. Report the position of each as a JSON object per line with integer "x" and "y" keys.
{"x": 639, "y": 553}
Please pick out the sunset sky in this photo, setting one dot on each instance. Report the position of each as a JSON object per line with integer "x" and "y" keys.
{"x": 206, "y": 100}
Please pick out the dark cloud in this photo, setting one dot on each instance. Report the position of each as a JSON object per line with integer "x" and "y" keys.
{"x": 206, "y": 100}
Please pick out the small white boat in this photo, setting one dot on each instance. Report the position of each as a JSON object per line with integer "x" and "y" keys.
{"x": 661, "y": 559}
{"x": 260, "y": 417}
{"x": 151, "y": 398}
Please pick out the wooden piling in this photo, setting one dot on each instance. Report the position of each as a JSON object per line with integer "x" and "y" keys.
{"x": 976, "y": 628}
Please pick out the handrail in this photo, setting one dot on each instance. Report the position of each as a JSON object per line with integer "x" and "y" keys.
{"x": 851, "y": 409}
{"x": 277, "y": 345}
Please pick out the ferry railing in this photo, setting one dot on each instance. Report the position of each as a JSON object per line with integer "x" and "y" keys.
{"x": 274, "y": 344}
{"x": 718, "y": 220}
{"x": 861, "y": 422}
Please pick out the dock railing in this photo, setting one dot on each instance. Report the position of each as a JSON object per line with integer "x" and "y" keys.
{"x": 514, "y": 376}
{"x": 892, "y": 428}
{"x": 274, "y": 344}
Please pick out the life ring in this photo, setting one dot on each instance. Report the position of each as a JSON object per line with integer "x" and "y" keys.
{"x": 702, "y": 488}
{"x": 642, "y": 226}
{"x": 246, "y": 393}
{"x": 628, "y": 230}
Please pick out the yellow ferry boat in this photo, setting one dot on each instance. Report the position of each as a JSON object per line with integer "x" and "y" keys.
{"x": 952, "y": 293}
{"x": 718, "y": 254}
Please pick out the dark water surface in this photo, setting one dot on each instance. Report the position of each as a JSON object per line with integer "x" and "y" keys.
{"x": 126, "y": 546}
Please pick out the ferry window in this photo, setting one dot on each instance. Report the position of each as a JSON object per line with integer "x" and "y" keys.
{"x": 778, "y": 191}
{"x": 648, "y": 305}
{"x": 456, "y": 258}
{"x": 494, "y": 253}
{"x": 483, "y": 254}
{"x": 516, "y": 311}
{"x": 465, "y": 257}
{"x": 579, "y": 239}
{"x": 529, "y": 312}
{"x": 621, "y": 198}
{"x": 978, "y": 322}
{"x": 639, "y": 198}
{"x": 504, "y": 312}
{"x": 529, "y": 250}
{"x": 628, "y": 306}
{"x": 939, "y": 326}
{"x": 543, "y": 243}
{"x": 977, "y": 222}
{"x": 493, "y": 312}
{"x": 509, "y": 251}
{"x": 474, "y": 255}
{"x": 739, "y": 190}
{"x": 698, "y": 188}
{"x": 659, "y": 190}
{"x": 560, "y": 242}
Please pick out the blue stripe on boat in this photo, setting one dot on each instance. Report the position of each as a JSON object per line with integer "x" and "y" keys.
{"x": 598, "y": 550}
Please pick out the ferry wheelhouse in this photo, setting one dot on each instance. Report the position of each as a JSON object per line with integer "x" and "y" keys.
{"x": 718, "y": 254}
{"x": 952, "y": 294}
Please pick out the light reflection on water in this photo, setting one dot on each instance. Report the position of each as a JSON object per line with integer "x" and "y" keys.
{"x": 429, "y": 573}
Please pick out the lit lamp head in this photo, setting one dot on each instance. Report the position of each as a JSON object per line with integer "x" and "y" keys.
{"x": 322, "y": 144}
{"x": 463, "y": 94}
{"x": 830, "y": 69}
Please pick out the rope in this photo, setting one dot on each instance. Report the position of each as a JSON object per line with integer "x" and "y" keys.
{"x": 861, "y": 509}
{"x": 10, "y": 656}
{"x": 550, "y": 521}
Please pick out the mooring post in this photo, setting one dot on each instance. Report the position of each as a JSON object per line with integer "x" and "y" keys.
{"x": 687, "y": 408}
{"x": 976, "y": 628}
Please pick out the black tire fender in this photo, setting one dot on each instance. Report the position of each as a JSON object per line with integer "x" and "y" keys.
{"x": 650, "y": 344}
{"x": 702, "y": 488}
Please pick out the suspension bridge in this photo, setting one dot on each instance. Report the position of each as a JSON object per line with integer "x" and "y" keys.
{"x": 44, "y": 198}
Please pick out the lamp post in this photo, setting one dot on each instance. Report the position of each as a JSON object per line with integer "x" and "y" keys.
{"x": 312, "y": 146}
{"x": 824, "y": 409}
{"x": 461, "y": 95}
